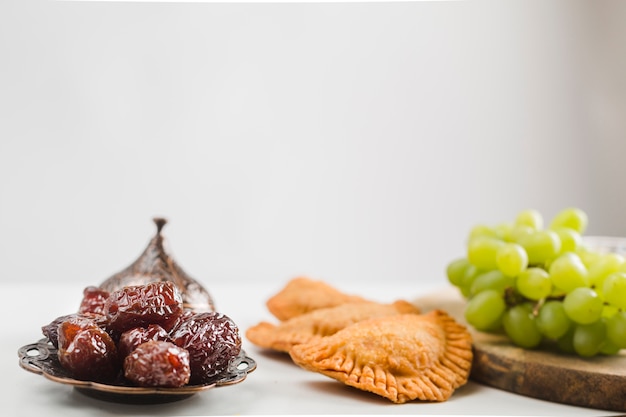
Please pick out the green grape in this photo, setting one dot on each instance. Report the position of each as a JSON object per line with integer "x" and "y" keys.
{"x": 570, "y": 239}
{"x": 573, "y": 218}
{"x": 602, "y": 266}
{"x": 471, "y": 272}
{"x": 484, "y": 310}
{"x": 521, "y": 327}
{"x": 556, "y": 292}
{"x": 481, "y": 230}
{"x": 552, "y": 321}
{"x": 583, "y": 305}
{"x": 481, "y": 252}
{"x": 541, "y": 245}
{"x": 503, "y": 231}
{"x": 531, "y": 218}
{"x": 511, "y": 259}
{"x": 492, "y": 280}
{"x": 519, "y": 231}
{"x": 566, "y": 342}
{"x": 609, "y": 310}
{"x": 587, "y": 256}
{"x": 568, "y": 272}
{"x": 614, "y": 289}
{"x": 589, "y": 338}
{"x": 455, "y": 271}
{"x": 616, "y": 329}
{"x": 608, "y": 348}
{"x": 534, "y": 283}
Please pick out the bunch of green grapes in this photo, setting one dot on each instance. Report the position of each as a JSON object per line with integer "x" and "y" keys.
{"x": 542, "y": 285}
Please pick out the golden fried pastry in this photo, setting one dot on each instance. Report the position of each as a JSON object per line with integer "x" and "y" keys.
{"x": 302, "y": 295}
{"x": 402, "y": 357}
{"x": 321, "y": 322}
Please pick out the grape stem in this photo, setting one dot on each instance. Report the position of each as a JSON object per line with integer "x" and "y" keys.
{"x": 513, "y": 298}
{"x": 538, "y": 306}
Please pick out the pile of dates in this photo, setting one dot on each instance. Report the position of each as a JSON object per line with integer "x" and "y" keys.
{"x": 142, "y": 335}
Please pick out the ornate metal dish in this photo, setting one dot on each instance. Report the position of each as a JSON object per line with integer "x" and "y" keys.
{"x": 41, "y": 358}
{"x": 156, "y": 264}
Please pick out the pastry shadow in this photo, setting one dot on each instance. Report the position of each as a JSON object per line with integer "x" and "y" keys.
{"x": 335, "y": 388}
{"x": 339, "y": 389}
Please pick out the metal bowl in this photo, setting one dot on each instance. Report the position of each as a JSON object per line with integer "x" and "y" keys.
{"x": 41, "y": 358}
{"x": 156, "y": 264}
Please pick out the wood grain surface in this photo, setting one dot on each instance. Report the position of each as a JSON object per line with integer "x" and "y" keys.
{"x": 598, "y": 382}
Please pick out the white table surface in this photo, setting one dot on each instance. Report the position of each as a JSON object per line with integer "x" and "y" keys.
{"x": 276, "y": 387}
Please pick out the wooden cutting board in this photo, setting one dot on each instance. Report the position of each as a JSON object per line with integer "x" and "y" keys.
{"x": 598, "y": 382}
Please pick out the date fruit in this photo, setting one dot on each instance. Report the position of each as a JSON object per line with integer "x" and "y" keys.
{"x": 86, "y": 350}
{"x": 212, "y": 340}
{"x": 51, "y": 330}
{"x": 141, "y": 305}
{"x": 130, "y": 339}
{"x": 143, "y": 334}
{"x": 158, "y": 363}
{"x": 93, "y": 300}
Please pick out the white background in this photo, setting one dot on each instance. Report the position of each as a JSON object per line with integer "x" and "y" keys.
{"x": 356, "y": 143}
{"x": 352, "y": 142}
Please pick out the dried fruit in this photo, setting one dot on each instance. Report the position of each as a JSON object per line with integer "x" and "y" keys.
{"x": 212, "y": 340}
{"x": 158, "y": 364}
{"x": 130, "y": 339}
{"x": 51, "y": 330}
{"x": 93, "y": 300}
{"x": 141, "y": 305}
{"x": 86, "y": 350}
{"x": 156, "y": 265}
{"x": 187, "y": 315}
{"x": 128, "y": 334}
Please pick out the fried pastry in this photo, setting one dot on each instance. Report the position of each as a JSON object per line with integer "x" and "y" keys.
{"x": 302, "y": 295}
{"x": 321, "y": 322}
{"x": 402, "y": 357}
